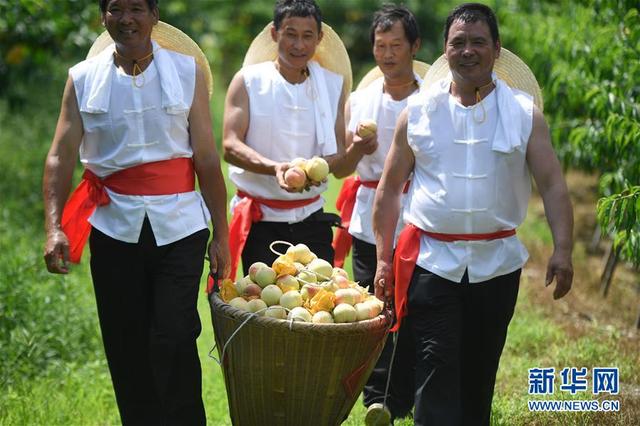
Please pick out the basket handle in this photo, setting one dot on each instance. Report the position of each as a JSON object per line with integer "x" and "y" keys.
{"x": 279, "y": 242}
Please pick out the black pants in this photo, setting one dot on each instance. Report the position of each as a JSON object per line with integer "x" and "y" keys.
{"x": 315, "y": 231}
{"x": 364, "y": 262}
{"x": 146, "y": 297}
{"x": 458, "y": 332}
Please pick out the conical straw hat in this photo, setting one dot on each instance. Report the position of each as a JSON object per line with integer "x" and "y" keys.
{"x": 508, "y": 67}
{"x": 170, "y": 38}
{"x": 374, "y": 73}
{"x": 330, "y": 53}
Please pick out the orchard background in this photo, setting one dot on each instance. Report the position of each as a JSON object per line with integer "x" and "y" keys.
{"x": 585, "y": 55}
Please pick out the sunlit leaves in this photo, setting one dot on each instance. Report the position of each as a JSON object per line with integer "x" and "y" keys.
{"x": 585, "y": 55}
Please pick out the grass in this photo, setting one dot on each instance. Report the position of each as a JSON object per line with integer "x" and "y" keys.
{"x": 53, "y": 370}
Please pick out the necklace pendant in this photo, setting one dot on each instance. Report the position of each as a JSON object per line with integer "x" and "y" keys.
{"x": 135, "y": 79}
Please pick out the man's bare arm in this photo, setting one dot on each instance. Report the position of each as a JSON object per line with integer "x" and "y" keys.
{"x": 386, "y": 208}
{"x": 546, "y": 171}
{"x": 58, "y": 172}
{"x": 234, "y": 132}
{"x": 207, "y": 166}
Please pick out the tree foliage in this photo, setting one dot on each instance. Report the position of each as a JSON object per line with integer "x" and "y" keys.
{"x": 585, "y": 55}
{"x": 38, "y": 35}
{"x": 35, "y": 36}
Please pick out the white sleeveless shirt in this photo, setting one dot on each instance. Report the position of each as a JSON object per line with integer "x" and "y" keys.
{"x": 463, "y": 185}
{"x": 282, "y": 126}
{"x": 125, "y": 126}
{"x": 385, "y": 113}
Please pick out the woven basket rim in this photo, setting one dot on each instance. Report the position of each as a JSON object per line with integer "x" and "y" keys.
{"x": 379, "y": 322}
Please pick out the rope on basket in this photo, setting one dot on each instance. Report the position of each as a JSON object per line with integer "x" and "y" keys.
{"x": 251, "y": 315}
{"x": 389, "y": 307}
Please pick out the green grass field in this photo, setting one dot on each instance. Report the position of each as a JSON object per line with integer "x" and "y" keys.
{"x": 53, "y": 369}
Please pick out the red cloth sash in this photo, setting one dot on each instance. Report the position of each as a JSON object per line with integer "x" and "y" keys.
{"x": 345, "y": 204}
{"x": 156, "y": 178}
{"x": 406, "y": 255}
{"x": 245, "y": 213}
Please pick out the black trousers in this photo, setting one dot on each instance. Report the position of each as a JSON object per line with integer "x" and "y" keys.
{"x": 448, "y": 348}
{"x": 315, "y": 231}
{"x": 458, "y": 332}
{"x": 146, "y": 297}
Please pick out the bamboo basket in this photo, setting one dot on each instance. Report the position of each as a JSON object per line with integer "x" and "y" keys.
{"x": 281, "y": 373}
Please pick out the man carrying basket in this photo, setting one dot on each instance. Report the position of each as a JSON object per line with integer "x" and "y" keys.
{"x": 137, "y": 111}
{"x": 471, "y": 138}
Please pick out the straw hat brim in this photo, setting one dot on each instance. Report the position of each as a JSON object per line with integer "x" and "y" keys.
{"x": 508, "y": 67}
{"x": 170, "y": 38}
{"x": 375, "y": 73}
{"x": 330, "y": 53}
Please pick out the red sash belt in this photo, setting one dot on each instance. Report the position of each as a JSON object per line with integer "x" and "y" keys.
{"x": 156, "y": 178}
{"x": 245, "y": 213}
{"x": 406, "y": 255}
{"x": 345, "y": 204}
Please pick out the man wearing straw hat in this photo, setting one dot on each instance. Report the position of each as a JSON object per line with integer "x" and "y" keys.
{"x": 137, "y": 111}
{"x": 471, "y": 138}
{"x": 380, "y": 97}
{"x": 286, "y": 102}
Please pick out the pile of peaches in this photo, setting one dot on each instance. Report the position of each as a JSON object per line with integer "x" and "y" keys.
{"x": 299, "y": 286}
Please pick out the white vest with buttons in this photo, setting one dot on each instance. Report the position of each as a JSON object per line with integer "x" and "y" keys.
{"x": 370, "y": 166}
{"x": 136, "y": 129}
{"x": 462, "y": 186}
{"x": 282, "y": 127}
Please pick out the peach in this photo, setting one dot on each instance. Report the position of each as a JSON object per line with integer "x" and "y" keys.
{"x": 287, "y": 282}
{"x": 300, "y": 253}
{"x": 257, "y": 305}
{"x": 322, "y": 317}
{"x": 375, "y": 306}
{"x": 242, "y": 283}
{"x": 317, "y": 169}
{"x": 366, "y": 128}
{"x": 340, "y": 271}
{"x": 349, "y": 296}
{"x": 321, "y": 268}
{"x": 298, "y": 162}
{"x": 252, "y": 290}
{"x": 306, "y": 277}
{"x": 254, "y": 268}
{"x": 341, "y": 281}
{"x": 291, "y": 299}
{"x": 344, "y": 313}
{"x": 276, "y": 311}
{"x": 239, "y": 303}
{"x": 295, "y": 177}
{"x": 308, "y": 291}
{"x": 299, "y": 314}
{"x": 265, "y": 276}
{"x": 363, "y": 311}
{"x": 271, "y": 294}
